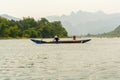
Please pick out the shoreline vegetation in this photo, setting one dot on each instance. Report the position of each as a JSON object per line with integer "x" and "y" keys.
{"x": 111, "y": 34}
{"x": 30, "y": 28}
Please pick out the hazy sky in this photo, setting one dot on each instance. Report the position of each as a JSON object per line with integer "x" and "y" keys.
{"x": 43, "y": 8}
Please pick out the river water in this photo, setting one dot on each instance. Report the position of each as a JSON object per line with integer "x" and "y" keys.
{"x": 21, "y": 59}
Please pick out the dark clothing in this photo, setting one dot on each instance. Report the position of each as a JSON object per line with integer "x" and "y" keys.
{"x": 56, "y": 39}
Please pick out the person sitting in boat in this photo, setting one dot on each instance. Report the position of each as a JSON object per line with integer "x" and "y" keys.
{"x": 56, "y": 39}
{"x": 74, "y": 37}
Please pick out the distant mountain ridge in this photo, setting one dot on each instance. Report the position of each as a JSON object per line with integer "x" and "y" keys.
{"x": 9, "y": 17}
{"x": 81, "y": 23}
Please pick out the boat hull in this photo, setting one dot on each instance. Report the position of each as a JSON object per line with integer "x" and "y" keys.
{"x": 65, "y": 41}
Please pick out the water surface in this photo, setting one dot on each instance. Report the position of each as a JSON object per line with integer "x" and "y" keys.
{"x": 22, "y": 59}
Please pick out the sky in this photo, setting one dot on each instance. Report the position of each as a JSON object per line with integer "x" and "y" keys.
{"x": 43, "y": 8}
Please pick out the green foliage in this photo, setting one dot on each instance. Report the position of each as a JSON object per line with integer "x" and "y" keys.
{"x": 114, "y": 33}
{"x": 30, "y": 28}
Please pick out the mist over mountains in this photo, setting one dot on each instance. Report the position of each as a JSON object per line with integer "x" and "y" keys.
{"x": 81, "y": 23}
{"x": 9, "y": 17}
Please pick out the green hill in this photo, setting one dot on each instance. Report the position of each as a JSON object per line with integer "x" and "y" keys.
{"x": 114, "y": 33}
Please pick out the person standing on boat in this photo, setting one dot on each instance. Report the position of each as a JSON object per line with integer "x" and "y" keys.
{"x": 56, "y": 39}
{"x": 74, "y": 37}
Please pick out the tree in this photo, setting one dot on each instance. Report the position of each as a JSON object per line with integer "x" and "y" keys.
{"x": 29, "y": 28}
{"x": 14, "y": 32}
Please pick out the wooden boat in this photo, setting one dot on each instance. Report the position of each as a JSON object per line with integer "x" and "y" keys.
{"x": 61, "y": 41}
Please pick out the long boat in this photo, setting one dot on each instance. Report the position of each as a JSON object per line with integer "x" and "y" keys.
{"x": 60, "y": 41}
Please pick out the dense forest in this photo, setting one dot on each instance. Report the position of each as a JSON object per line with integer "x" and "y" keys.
{"x": 30, "y": 28}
